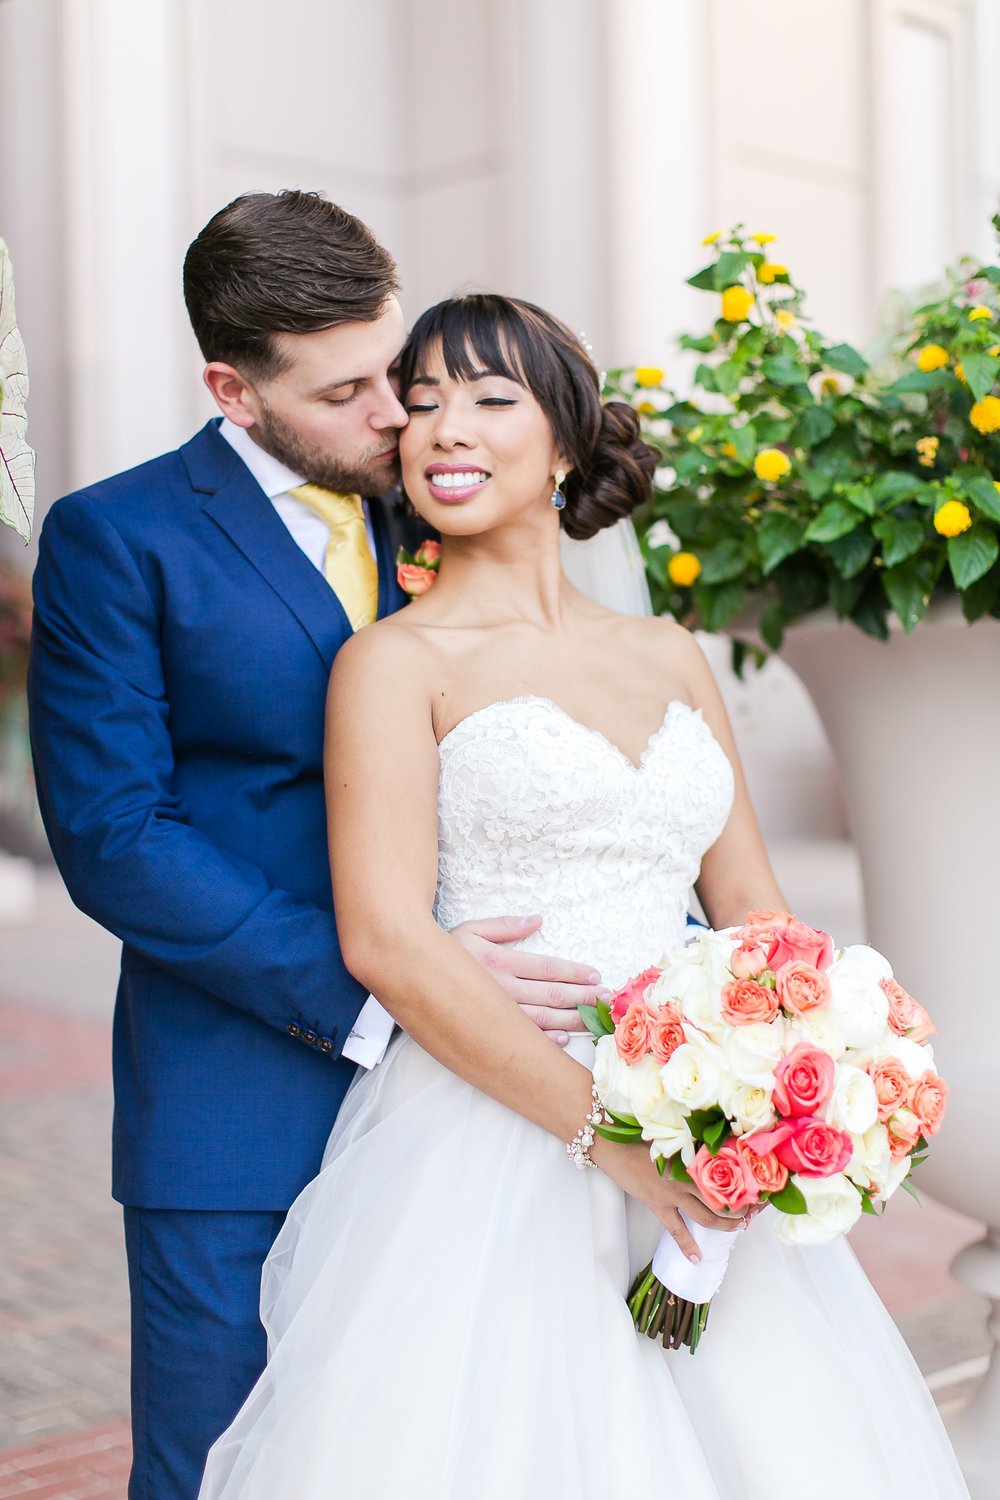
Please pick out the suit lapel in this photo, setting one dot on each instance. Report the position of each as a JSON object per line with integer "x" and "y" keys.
{"x": 239, "y": 507}
{"x": 383, "y": 514}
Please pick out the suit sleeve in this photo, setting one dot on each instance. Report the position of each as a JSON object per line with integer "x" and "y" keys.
{"x": 119, "y": 831}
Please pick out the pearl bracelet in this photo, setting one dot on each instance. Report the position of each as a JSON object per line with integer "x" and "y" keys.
{"x": 578, "y": 1149}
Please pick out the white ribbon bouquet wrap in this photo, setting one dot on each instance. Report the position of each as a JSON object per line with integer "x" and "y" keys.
{"x": 764, "y": 1067}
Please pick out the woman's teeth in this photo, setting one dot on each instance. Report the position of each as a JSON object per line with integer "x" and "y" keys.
{"x": 458, "y": 481}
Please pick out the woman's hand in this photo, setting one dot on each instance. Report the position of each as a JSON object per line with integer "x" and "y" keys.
{"x": 631, "y": 1167}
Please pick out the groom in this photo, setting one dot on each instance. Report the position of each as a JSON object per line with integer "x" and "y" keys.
{"x": 187, "y": 616}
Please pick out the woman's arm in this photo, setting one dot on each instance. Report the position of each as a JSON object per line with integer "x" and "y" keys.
{"x": 382, "y": 778}
{"x": 736, "y": 875}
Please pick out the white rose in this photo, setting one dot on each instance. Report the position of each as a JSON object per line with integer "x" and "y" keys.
{"x": 870, "y": 1165}
{"x": 646, "y": 1088}
{"x": 853, "y": 1104}
{"x": 916, "y": 1057}
{"x": 692, "y": 1076}
{"x": 612, "y": 1077}
{"x": 714, "y": 950}
{"x": 686, "y": 986}
{"x": 748, "y": 1105}
{"x": 898, "y": 1170}
{"x": 753, "y": 1052}
{"x": 666, "y": 1128}
{"x": 834, "y": 1207}
{"x": 857, "y": 1001}
{"x": 820, "y": 1029}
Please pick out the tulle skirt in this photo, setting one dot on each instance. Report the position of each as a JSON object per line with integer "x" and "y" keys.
{"x": 446, "y": 1321}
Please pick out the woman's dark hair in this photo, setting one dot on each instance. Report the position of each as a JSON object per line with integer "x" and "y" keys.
{"x": 612, "y": 468}
{"x": 290, "y": 262}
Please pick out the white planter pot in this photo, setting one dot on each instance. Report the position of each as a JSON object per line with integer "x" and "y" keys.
{"x": 914, "y": 724}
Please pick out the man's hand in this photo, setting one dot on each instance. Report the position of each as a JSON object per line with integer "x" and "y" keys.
{"x": 548, "y": 990}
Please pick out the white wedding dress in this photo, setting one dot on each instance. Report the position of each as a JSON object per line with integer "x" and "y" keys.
{"x": 445, "y": 1305}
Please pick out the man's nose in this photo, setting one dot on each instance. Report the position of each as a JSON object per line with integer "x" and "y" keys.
{"x": 390, "y": 411}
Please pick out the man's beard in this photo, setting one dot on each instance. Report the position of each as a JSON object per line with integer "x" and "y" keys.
{"x": 362, "y": 474}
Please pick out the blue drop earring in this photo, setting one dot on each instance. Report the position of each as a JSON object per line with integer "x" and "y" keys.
{"x": 558, "y": 498}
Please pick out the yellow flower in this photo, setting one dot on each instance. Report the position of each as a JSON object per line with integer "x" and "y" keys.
{"x": 696, "y": 433}
{"x": 960, "y": 373}
{"x": 769, "y": 270}
{"x": 927, "y": 448}
{"x": 830, "y": 385}
{"x": 979, "y": 312}
{"x": 729, "y": 450}
{"x": 710, "y": 239}
{"x": 995, "y": 350}
{"x": 771, "y": 464}
{"x": 647, "y": 409}
{"x": 683, "y": 568}
{"x": 785, "y": 319}
{"x": 648, "y": 375}
{"x": 764, "y": 239}
{"x": 952, "y": 519}
{"x": 736, "y": 303}
{"x": 931, "y": 357}
{"x": 985, "y": 415}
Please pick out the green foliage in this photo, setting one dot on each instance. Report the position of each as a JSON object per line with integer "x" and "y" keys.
{"x": 856, "y": 523}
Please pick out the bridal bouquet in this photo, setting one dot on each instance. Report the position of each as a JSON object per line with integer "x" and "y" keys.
{"x": 765, "y": 1068}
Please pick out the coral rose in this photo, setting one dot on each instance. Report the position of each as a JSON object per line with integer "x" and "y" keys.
{"x": 725, "y": 1181}
{"x": 794, "y": 942}
{"x": 905, "y": 1130}
{"x": 765, "y": 1168}
{"x": 632, "y": 1033}
{"x": 803, "y": 1081}
{"x": 808, "y": 1146}
{"x": 745, "y": 1002}
{"x": 428, "y": 553}
{"x": 801, "y": 987}
{"x": 748, "y": 960}
{"x": 907, "y": 1016}
{"x": 666, "y": 1033}
{"x": 414, "y": 580}
{"x": 634, "y": 990}
{"x": 927, "y": 1099}
{"x": 892, "y": 1085}
{"x": 761, "y": 926}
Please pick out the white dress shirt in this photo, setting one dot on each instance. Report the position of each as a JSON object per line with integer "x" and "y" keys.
{"x": 372, "y": 1030}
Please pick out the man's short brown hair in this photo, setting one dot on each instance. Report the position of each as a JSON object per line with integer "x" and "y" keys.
{"x": 289, "y": 262}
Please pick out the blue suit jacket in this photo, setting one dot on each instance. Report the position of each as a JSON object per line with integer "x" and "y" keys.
{"x": 181, "y": 653}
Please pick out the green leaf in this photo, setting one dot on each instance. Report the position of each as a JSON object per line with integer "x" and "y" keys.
{"x": 717, "y": 606}
{"x": 867, "y": 1206}
{"x": 590, "y": 1018}
{"x": 862, "y": 497}
{"x": 835, "y": 519}
{"x": 726, "y": 560}
{"x": 781, "y": 369}
{"x": 908, "y": 1186}
{"x": 728, "y": 375}
{"x": 845, "y": 593}
{"x": 919, "y": 381}
{"x": 778, "y": 536}
{"x": 678, "y": 1171}
{"x": 979, "y": 598}
{"x": 744, "y": 440}
{"x": 895, "y": 485}
{"x": 619, "y": 1132}
{"x": 730, "y": 267}
{"x": 972, "y": 554}
{"x": 791, "y": 1199}
{"x": 772, "y": 625}
{"x": 909, "y": 587}
{"x": 984, "y": 493}
{"x": 813, "y": 427}
{"x": 704, "y": 345}
{"x": 899, "y": 538}
{"x": 704, "y": 280}
{"x": 604, "y": 1012}
{"x": 980, "y": 372}
{"x": 851, "y": 553}
{"x": 843, "y": 357}
{"x": 715, "y": 1134}
{"x": 661, "y": 1164}
{"x": 869, "y": 614}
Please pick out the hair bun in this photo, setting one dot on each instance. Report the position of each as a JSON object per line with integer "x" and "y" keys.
{"x": 616, "y": 480}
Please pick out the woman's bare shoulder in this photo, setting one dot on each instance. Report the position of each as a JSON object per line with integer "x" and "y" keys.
{"x": 385, "y": 657}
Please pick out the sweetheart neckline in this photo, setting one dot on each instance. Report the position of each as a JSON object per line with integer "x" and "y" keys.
{"x": 525, "y": 698}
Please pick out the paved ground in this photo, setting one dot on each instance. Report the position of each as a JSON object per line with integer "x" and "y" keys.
{"x": 63, "y": 1296}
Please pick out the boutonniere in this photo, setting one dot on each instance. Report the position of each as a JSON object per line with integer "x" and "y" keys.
{"x": 416, "y": 571}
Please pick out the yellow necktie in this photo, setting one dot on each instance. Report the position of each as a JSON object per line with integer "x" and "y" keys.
{"x": 350, "y": 569}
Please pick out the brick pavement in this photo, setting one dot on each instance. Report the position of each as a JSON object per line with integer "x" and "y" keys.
{"x": 63, "y": 1292}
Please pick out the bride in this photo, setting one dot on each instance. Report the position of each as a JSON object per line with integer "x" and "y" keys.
{"x": 445, "y": 1304}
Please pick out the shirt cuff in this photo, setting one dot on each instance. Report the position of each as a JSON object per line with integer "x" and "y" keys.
{"x": 370, "y": 1035}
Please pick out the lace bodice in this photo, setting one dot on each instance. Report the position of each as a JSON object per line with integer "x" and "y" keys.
{"x": 538, "y": 813}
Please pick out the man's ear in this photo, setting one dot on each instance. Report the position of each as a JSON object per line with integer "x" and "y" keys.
{"x": 234, "y": 395}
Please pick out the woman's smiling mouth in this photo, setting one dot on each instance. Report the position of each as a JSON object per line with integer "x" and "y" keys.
{"x": 449, "y": 483}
